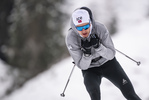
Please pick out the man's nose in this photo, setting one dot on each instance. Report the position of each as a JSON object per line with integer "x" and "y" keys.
{"x": 83, "y": 30}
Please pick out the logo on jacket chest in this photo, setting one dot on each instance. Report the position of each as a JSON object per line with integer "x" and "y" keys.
{"x": 79, "y": 19}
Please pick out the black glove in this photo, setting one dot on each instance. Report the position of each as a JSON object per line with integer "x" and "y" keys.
{"x": 86, "y": 47}
{"x": 94, "y": 40}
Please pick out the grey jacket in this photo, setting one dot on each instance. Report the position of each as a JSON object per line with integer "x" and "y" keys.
{"x": 106, "y": 50}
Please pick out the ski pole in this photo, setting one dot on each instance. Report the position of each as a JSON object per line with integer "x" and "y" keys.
{"x": 62, "y": 94}
{"x": 138, "y": 62}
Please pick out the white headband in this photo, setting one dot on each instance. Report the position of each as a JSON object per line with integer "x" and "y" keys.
{"x": 80, "y": 16}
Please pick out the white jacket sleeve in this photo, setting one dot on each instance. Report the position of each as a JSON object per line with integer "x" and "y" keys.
{"x": 106, "y": 48}
{"x": 80, "y": 60}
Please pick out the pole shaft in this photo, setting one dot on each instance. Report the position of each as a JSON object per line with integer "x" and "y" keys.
{"x": 138, "y": 63}
{"x": 69, "y": 78}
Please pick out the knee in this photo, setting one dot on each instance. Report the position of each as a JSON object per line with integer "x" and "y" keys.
{"x": 94, "y": 93}
{"x": 93, "y": 90}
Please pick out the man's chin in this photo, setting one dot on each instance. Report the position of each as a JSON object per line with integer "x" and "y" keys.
{"x": 85, "y": 35}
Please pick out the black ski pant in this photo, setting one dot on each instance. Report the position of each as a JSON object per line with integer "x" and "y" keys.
{"x": 113, "y": 71}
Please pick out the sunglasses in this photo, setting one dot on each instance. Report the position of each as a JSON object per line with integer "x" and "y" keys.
{"x": 80, "y": 28}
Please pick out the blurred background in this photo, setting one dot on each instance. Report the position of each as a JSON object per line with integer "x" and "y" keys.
{"x": 34, "y": 61}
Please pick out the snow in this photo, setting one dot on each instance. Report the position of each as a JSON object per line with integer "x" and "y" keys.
{"x": 132, "y": 39}
{"x": 5, "y": 78}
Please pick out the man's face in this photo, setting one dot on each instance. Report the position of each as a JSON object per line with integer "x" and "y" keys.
{"x": 85, "y": 31}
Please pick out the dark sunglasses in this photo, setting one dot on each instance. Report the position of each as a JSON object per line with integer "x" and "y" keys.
{"x": 80, "y": 28}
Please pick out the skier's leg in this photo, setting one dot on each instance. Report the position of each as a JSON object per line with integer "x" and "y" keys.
{"x": 92, "y": 82}
{"x": 114, "y": 72}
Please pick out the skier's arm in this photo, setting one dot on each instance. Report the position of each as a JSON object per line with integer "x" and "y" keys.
{"x": 106, "y": 48}
{"x": 82, "y": 61}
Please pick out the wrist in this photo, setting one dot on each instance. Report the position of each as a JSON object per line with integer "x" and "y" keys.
{"x": 86, "y": 55}
{"x": 96, "y": 46}
{"x": 86, "y": 50}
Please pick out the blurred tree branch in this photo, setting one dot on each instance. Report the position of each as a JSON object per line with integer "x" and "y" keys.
{"x": 35, "y": 37}
{"x": 5, "y": 11}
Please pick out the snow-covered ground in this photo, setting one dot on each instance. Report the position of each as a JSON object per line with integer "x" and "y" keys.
{"x": 132, "y": 39}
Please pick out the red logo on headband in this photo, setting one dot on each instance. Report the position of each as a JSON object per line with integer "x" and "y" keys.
{"x": 79, "y": 19}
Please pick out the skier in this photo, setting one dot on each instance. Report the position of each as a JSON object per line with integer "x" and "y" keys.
{"x": 92, "y": 50}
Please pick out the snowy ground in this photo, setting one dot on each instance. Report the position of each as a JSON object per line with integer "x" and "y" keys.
{"x": 132, "y": 39}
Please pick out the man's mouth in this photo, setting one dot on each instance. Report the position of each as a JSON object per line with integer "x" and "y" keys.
{"x": 84, "y": 34}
